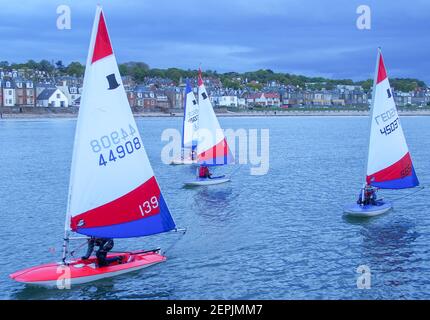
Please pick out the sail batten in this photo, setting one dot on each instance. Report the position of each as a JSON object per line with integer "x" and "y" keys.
{"x": 113, "y": 192}
{"x": 389, "y": 164}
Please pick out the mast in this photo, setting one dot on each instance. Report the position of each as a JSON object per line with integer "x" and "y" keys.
{"x": 183, "y": 125}
{"x": 77, "y": 141}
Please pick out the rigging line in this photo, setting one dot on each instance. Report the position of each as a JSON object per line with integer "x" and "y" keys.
{"x": 409, "y": 194}
{"x": 77, "y": 248}
{"x": 183, "y": 231}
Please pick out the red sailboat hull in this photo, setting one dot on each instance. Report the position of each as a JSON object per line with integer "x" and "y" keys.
{"x": 83, "y": 271}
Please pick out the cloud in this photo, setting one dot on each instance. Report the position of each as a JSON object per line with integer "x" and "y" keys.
{"x": 309, "y": 37}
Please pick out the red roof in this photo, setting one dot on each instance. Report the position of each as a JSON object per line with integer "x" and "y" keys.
{"x": 270, "y": 95}
{"x": 254, "y": 96}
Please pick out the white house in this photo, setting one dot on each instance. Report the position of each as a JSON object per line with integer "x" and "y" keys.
{"x": 227, "y": 101}
{"x": 9, "y": 97}
{"x": 214, "y": 99}
{"x": 264, "y": 99}
{"x": 272, "y": 99}
{"x": 52, "y": 97}
{"x": 73, "y": 92}
{"x": 241, "y": 102}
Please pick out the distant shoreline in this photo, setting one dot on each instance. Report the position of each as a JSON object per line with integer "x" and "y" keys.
{"x": 291, "y": 113}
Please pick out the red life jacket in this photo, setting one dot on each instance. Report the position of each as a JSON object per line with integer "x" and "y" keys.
{"x": 203, "y": 172}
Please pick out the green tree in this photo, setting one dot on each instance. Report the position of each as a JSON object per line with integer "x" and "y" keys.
{"x": 174, "y": 74}
{"x": 59, "y": 66}
{"x": 45, "y": 65}
{"x": 366, "y": 84}
{"x": 76, "y": 69}
{"x": 31, "y": 64}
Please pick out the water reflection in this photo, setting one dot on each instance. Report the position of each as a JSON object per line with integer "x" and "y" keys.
{"x": 389, "y": 248}
{"x": 214, "y": 201}
{"x": 97, "y": 290}
{"x": 389, "y": 240}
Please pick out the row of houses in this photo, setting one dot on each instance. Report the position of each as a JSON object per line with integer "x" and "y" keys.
{"x": 342, "y": 95}
{"x": 156, "y": 94}
{"x": 263, "y": 99}
{"x": 25, "y": 93}
{"x": 150, "y": 97}
{"x": 67, "y": 91}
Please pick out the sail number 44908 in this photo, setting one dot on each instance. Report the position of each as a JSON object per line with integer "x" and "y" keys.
{"x": 116, "y": 145}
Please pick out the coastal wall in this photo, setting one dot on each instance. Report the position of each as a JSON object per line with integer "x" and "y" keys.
{"x": 72, "y": 112}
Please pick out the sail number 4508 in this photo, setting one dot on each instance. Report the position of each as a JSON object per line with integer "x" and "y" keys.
{"x": 149, "y": 205}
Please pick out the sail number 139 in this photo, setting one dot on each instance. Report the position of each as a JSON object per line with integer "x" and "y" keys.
{"x": 149, "y": 205}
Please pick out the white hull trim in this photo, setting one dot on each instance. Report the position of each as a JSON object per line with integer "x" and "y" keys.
{"x": 207, "y": 182}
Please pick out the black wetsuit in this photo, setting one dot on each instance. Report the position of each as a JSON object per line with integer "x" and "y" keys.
{"x": 105, "y": 245}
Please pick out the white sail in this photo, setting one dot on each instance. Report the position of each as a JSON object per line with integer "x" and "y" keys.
{"x": 212, "y": 147}
{"x": 113, "y": 191}
{"x": 389, "y": 163}
{"x": 191, "y": 119}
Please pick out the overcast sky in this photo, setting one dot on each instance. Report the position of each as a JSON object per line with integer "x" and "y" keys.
{"x": 310, "y": 37}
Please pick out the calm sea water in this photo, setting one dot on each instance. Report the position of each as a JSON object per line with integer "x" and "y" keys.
{"x": 277, "y": 236}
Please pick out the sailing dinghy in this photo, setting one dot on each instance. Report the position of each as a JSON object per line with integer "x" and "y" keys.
{"x": 389, "y": 163}
{"x": 190, "y": 125}
{"x": 113, "y": 192}
{"x": 212, "y": 147}
{"x": 207, "y": 181}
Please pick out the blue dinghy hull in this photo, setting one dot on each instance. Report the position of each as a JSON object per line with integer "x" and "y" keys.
{"x": 356, "y": 210}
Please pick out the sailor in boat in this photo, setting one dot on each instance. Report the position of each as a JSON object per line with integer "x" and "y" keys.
{"x": 203, "y": 173}
{"x": 367, "y": 196}
{"x": 193, "y": 153}
{"x": 104, "y": 246}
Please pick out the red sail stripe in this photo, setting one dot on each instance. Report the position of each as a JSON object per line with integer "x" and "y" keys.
{"x": 382, "y": 73}
{"x": 102, "y": 47}
{"x": 124, "y": 209}
{"x": 219, "y": 150}
{"x": 398, "y": 170}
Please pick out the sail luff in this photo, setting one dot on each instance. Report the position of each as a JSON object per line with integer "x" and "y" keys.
{"x": 183, "y": 122}
{"x": 372, "y": 104}
{"x": 77, "y": 129}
